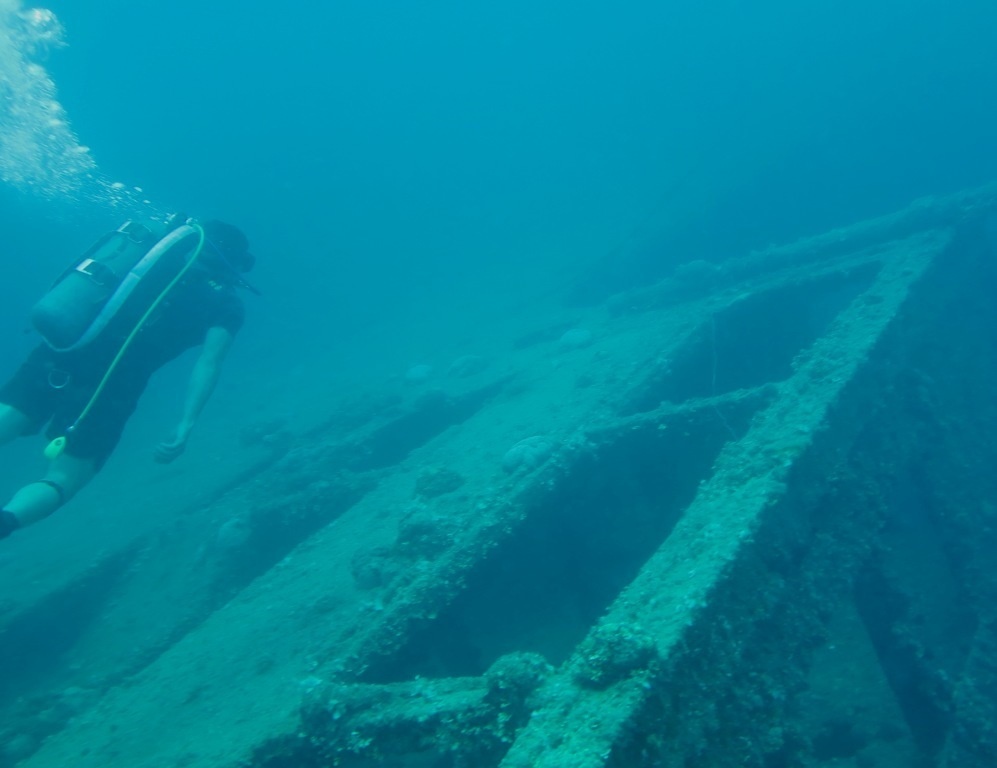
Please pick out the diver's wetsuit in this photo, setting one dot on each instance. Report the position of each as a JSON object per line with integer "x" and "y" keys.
{"x": 54, "y": 387}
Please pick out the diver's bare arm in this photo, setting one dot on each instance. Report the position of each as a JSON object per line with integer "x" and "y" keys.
{"x": 203, "y": 378}
{"x": 202, "y": 382}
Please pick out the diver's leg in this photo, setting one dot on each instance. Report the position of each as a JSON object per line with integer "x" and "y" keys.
{"x": 65, "y": 477}
{"x": 13, "y": 423}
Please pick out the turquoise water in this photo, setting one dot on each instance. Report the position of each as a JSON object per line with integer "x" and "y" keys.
{"x": 445, "y": 141}
{"x": 421, "y": 183}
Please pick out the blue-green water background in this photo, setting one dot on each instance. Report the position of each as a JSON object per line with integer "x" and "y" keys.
{"x": 409, "y": 172}
{"x": 391, "y": 160}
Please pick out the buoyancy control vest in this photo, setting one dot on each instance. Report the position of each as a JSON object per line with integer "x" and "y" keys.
{"x": 90, "y": 294}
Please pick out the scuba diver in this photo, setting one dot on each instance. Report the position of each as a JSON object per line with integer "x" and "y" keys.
{"x": 137, "y": 299}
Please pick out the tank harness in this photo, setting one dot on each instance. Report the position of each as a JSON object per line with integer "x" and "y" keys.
{"x": 98, "y": 298}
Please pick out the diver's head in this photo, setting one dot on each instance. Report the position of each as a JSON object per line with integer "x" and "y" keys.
{"x": 226, "y": 246}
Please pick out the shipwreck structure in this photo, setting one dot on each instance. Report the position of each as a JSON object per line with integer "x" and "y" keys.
{"x": 742, "y": 517}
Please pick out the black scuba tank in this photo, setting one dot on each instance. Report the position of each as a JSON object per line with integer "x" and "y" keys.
{"x": 86, "y": 296}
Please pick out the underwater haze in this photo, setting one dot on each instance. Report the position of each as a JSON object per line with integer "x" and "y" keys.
{"x": 433, "y": 192}
{"x": 447, "y": 144}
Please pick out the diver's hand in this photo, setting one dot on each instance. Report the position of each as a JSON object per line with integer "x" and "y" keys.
{"x": 170, "y": 450}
